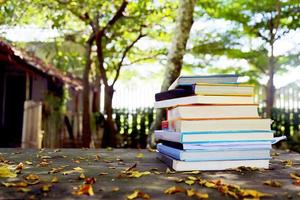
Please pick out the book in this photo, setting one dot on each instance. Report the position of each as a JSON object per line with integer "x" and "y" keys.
{"x": 213, "y": 111}
{"x": 189, "y": 80}
{"x": 219, "y": 145}
{"x": 209, "y": 155}
{"x": 175, "y": 93}
{"x": 210, "y": 165}
{"x": 229, "y": 89}
{"x": 214, "y": 136}
{"x": 230, "y": 124}
{"x": 198, "y": 99}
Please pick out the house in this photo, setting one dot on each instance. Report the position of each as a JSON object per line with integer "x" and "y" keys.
{"x": 26, "y": 116}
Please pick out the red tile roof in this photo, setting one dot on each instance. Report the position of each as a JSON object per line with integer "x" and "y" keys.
{"x": 11, "y": 53}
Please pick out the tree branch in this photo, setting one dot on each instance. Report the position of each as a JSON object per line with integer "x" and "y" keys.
{"x": 127, "y": 49}
{"x": 143, "y": 59}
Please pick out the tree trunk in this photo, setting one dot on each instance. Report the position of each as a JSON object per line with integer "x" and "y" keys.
{"x": 270, "y": 84}
{"x": 86, "y": 126}
{"x": 181, "y": 33}
{"x": 110, "y": 124}
{"x": 96, "y": 96}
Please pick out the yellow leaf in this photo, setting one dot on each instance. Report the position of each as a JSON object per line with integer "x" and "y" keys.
{"x": 287, "y": 163}
{"x": 189, "y": 182}
{"x": 115, "y": 189}
{"x": 192, "y": 178}
{"x": 25, "y": 190}
{"x": 173, "y": 190}
{"x": 5, "y": 172}
{"x": 46, "y": 188}
{"x": 138, "y": 194}
{"x": 54, "y": 180}
{"x": 28, "y": 162}
{"x": 193, "y": 172}
{"x": 190, "y": 192}
{"x": 15, "y": 184}
{"x": 210, "y": 185}
{"x": 133, "y": 195}
{"x": 32, "y": 177}
{"x": 273, "y": 183}
{"x": 253, "y": 193}
{"x": 139, "y": 155}
{"x": 295, "y": 176}
{"x": 137, "y": 174}
{"x": 78, "y": 169}
{"x": 201, "y": 195}
{"x": 81, "y": 176}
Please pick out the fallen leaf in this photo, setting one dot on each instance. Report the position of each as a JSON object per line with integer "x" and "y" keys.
{"x": 32, "y": 177}
{"x": 273, "y": 183}
{"x": 201, "y": 195}
{"x": 140, "y": 155}
{"x": 81, "y": 176}
{"x": 14, "y": 184}
{"x": 78, "y": 169}
{"x": 43, "y": 163}
{"x": 131, "y": 168}
{"x": 5, "y": 172}
{"x": 296, "y": 182}
{"x": 287, "y": 163}
{"x": 210, "y": 185}
{"x": 138, "y": 194}
{"x": 192, "y": 172}
{"x": 115, "y": 189}
{"x": 91, "y": 180}
{"x": 56, "y": 170}
{"x": 45, "y": 157}
{"x": 28, "y": 162}
{"x": 190, "y": 192}
{"x": 173, "y": 190}
{"x": 46, "y": 188}
{"x": 169, "y": 171}
{"x": 97, "y": 157}
{"x": 189, "y": 182}
{"x": 20, "y": 166}
{"x": 253, "y": 193}
{"x": 54, "y": 180}
{"x": 84, "y": 189}
{"x": 25, "y": 190}
{"x": 137, "y": 174}
{"x": 103, "y": 173}
{"x": 295, "y": 176}
{"x": 192, "y": 178}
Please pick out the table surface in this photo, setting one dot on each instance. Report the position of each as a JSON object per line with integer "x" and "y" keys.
{"x": 108, "y": 167}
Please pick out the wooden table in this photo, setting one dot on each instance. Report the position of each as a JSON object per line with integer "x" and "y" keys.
{"x": 106, "y": 166}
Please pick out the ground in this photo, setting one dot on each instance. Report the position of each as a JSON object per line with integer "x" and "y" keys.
{"x": 60, "y": 173}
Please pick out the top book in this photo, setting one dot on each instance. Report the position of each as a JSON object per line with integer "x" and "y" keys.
{"x": 189, "y": 80}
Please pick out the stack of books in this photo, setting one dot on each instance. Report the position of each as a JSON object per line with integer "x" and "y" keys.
{"x": 212, "y": 124}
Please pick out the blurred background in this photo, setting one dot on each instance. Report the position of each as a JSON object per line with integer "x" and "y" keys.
{"x": 84, "y": 73}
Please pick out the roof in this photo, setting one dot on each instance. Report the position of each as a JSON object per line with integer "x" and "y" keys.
{"x": 10, "y": 53}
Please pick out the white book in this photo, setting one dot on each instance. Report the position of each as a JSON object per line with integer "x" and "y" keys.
{"x": 213, "y": 111}
{"x": 210, "y": 155}
{"x": 210, "y": 165}
{"x": 213, "y": 136}
{"x": 219, "y": 125}
{"x": 188, "y": 80}
{"x": 233, "y": 89}
{"x": 198, "y": 99}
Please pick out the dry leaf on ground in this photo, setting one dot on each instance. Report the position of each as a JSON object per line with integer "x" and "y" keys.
{"x": 86, "y": 189}
{"x": 5, "y": 172}
{"x": 273, "y": 183}
{"x": 138, "y": 194}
